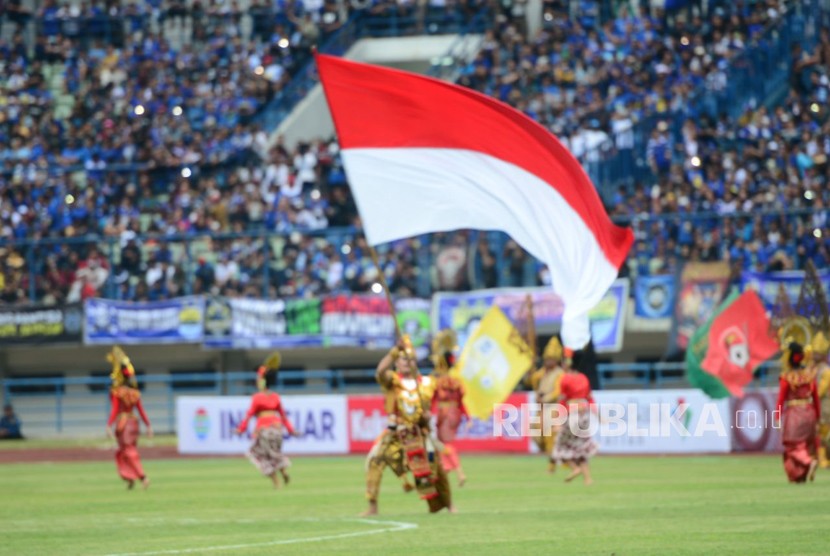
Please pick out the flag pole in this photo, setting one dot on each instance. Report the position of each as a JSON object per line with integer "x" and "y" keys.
{"x": 398, "y": 335}
{"x": 531, "y": 327}
{"x": 385, "y": 286}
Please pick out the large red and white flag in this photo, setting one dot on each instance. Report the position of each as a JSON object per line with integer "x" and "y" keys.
{"x": 423, "y": 156}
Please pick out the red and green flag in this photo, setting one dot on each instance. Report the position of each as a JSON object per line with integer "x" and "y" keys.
{"x": 724, "y": 353}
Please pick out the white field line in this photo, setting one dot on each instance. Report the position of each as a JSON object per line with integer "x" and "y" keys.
{"x": 389, "y": 527}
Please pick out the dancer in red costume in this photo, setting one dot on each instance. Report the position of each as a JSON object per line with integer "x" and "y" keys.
{"x": 125, "y": 397}
{"x": 799, "y": 409}
{"x": 448, "y": 401}
{"x": 266, "y": 451}
{"x": 574, "y": 445}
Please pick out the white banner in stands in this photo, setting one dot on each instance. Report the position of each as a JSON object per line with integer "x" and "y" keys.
{"x": 662, "y": 422}
{"x": 206, "y": 424}
{"x": 634, "y": 422}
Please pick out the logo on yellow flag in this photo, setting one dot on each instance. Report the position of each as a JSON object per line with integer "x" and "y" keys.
{"x": 494, "y": 359}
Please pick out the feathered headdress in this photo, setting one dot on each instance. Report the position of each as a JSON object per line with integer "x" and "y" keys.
{"x": 122, "y": 368}
{"x": 444, "y": 347}
{"x": 271, "y": 363}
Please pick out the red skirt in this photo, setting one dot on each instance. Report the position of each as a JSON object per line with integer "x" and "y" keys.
{"x": 799, "y": 438}
{"x": 449, "y": 458}
{"x": 447, "y": 421}
{"x": 126, "y": 457}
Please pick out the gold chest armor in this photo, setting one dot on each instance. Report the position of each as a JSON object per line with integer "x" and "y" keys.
{"x": 410, "y": 408}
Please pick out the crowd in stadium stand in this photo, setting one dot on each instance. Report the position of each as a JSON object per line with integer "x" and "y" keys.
{"x": 80, "y": 100}
{"x": 87, "y": 103}
{"x": 762, "y": 169}
{"x": 586, "y": 80}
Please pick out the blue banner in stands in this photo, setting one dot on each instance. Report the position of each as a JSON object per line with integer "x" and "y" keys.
{"x": 164, "y": 322}
{"x": 462, "y": 312}
{"x": 654, "y": 296}
{"x": 768, "y": 283}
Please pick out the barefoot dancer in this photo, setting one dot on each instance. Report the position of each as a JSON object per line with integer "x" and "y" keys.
{"x": 266, "y": 451}
{"x": 448, "y": 401}
{"x": 124, "y": 397}
{"x": 385, "y": 453}
{"x": 545, "y": 382}
{"x": 574, "y": 446}
{"x": 407, "y": 445}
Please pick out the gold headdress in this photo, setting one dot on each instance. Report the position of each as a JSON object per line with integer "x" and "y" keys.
{"x": 553, "y": 349}
{"x": 407, "y": 351}
{"x": 122, "y": 368}
{"x": 271, "y": 363}
{"x": 795, "y": 329}
{"x": 444, "y": 343}
{"x": 820, "y": 345}
{"x": 807, "y": 325}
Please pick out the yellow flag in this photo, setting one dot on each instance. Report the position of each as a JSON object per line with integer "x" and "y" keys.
{"x": 494, "y": 359}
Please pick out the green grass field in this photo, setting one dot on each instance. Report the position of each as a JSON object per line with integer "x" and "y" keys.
{"x": 95, "y": 442}
{"x": 690, "y": 505}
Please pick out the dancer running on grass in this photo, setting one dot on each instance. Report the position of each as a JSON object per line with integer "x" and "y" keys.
{"x": 266, "y": 451}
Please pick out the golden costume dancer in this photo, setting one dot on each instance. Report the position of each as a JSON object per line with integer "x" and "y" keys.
{"x": 820, "y": 347}
{"x": 381, "y": 446}
{"x": 545, "y": 383}
{"x": 407, "y": 445}
{"x": 385, "y": 452}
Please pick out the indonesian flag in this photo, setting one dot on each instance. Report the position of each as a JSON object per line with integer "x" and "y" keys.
{"x": 427, "y": 156}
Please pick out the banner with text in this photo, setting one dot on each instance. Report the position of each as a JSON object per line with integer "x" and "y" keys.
{"x": 654, "y": 296}
{"x": 206, "y": 424}
{"x": 39, "y": 324}
{"x": 357, "y": 320}
{"x": 462, "y": 311}
{"x": 178, "y": 320}
{"x": 633, "y": 422}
